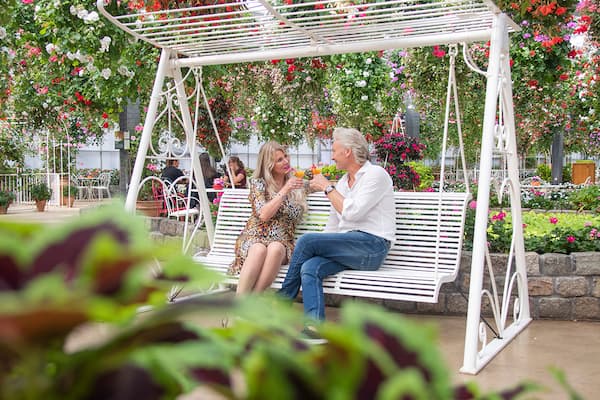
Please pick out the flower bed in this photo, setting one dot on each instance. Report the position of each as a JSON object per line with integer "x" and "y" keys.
{"x": 544, "y": 232}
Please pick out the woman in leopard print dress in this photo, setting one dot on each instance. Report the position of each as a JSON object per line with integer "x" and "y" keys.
{"x": 278, "y": 202}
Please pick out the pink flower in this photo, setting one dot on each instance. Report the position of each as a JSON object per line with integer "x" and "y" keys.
{"x": 553, "y": 220}
{"x": 473, "y": 204}
{"x": 499, "y": 217}
{"x": 570, "y": 239}
{"x": 27, "y": 1}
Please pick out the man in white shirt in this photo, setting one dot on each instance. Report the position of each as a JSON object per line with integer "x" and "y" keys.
{"x": 360, "y": 228}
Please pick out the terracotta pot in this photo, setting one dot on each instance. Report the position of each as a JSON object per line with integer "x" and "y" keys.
{"x": 64, "y": 201}
{"x": 40, "y": 205}
{"x": 3, "y": 209}
{"x": 150, "y": 208}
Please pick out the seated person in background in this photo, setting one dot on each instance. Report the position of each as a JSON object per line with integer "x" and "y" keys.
{"x": 209, "y": 173}
{"x": 171, "y": 172}
{"x": 278, "y": 202}
{"x": 239, "y": 173}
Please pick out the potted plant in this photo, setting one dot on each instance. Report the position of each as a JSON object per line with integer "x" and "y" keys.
{"x": 68, "y": 195}
{"x": 41, "y": 193}
{"x": 6, "y": 198}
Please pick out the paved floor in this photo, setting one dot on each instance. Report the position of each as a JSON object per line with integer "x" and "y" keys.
{"x": 570, "y": 345}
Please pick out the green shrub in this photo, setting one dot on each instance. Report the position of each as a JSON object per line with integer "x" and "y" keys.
{"x": 566, "y": 173}
{"x": 69, "y": 190}
{"x": 586, "y": 198}
{"x": 41, "y": 191}
{"x": 425, "y": 174}
{"x": 6, "y": 198}
{"x": 544, "y": 171}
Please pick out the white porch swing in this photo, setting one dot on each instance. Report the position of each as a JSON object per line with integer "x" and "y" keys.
{"x": 257, "y": 30}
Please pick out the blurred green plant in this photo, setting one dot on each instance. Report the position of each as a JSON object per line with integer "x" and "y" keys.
{"x": 54, "y": 281}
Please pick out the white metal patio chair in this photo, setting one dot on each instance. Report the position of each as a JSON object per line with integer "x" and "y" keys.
{"x": 102, "y": 184}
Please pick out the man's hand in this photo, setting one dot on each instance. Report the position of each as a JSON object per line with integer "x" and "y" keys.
{"x": 319, "y": 182}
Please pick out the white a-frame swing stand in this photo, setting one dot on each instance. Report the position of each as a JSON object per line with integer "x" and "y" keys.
{"x": 261, "y": 30}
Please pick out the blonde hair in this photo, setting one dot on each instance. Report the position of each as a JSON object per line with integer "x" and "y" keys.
{"x": 354, "y": 140}
{"x": 264, "y": 166}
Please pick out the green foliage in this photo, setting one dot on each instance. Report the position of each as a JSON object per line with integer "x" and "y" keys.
{"x": 586, "y": 198}
{"x": 6, "y": 197}
{"x": 41, "y": 191}
{"x": 331, "y": 172}
{"x": 70, "y": 69}
{"x": 567, "y": 173}
{"x": 544, "y": 171}
{"x": 69, "y": 190}
{"x": 12, "y": 149}
{"x": 57, "y": 280}
{"x": 425, "y": 174}
{"x": 543, "y": 232}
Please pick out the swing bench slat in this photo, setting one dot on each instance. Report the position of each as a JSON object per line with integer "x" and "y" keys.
{"x": 426, "y": 252}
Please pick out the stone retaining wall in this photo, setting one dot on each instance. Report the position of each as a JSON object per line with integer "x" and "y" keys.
{"x": 563, "y": 287}
{"x": 171, "y": 230}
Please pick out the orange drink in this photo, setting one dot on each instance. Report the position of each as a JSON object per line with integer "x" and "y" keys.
{"x": 299, "y": 173}
{"x": 315, "y": 170}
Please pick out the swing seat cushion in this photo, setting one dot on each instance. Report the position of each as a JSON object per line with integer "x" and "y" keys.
{"x": 425, "y": 254}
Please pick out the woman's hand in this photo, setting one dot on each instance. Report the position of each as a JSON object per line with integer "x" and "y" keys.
{"x": 291, "y": 184}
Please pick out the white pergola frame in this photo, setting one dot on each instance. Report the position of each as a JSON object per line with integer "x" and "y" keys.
{"x": 260, "y": 30}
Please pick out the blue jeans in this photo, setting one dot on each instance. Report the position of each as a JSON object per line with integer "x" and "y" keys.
{"x": 318, "y": 255}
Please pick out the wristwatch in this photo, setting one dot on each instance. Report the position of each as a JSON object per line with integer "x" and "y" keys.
{"x": 329, "y": 189}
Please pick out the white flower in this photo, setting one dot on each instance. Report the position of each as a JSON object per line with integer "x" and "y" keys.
{"x": 105, "y": 44}
{"x": 91, "y": 17}
{"x": 2, "y": 32}
{"x": 106, "y": 73}
{"x": 348, "y": 71}
{"x": 123, "y": 70}
{"x": 360, "y": 83}
{"x": 50, "y": 47}
{"x": 73, "y": 10}
{"x": 82, "y": 13}
{"x": 366, "y": 74}
{"x": 364, "y": 97}
{"x": 368, "y": 60}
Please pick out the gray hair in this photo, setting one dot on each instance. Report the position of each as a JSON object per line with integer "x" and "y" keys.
{"x": 354, "y": 140}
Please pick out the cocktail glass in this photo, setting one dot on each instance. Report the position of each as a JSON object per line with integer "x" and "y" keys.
{"x": 299, "y": 173}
